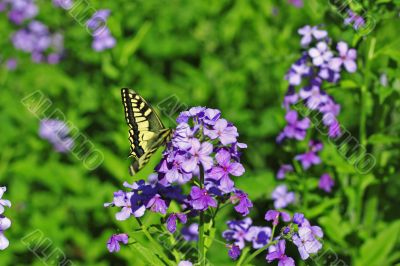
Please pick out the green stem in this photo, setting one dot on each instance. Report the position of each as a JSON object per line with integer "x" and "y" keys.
{"x": 154, "y": 242}
{"x": 201, "y": 251}
{"x": 256, "y": 253}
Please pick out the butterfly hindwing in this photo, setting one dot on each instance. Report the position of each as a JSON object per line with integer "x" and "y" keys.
{"x": 146, "y": 131}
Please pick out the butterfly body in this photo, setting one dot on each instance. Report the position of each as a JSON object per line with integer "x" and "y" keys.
{"x": 146, "y": 131}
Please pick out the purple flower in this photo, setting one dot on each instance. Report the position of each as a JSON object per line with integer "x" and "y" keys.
{"x": 291, "y": 97}
{"x": 320, "y": 54}
{"x": 298, "y": 218}
{"x": 296, "y": 3}
{"x": 306, "y": 242}
{"x": 11, "y": 64}
{"x": 283, "y": 170}
{"x": 326, "y": 183}
{"x": 295, "y": 129}
{"x": 224, "y": 169}
{"x": 113, "y": 242}
{"x": 185, "y": 263}
{"x": 279, "y": 254}
{"x": 234, "y": 251}
{"x": 282, "y": 197}
{"x": 199, "y": 153}
{"x": 21, "y": 10}
{"x": 297, "y": 71}
{"x": 237, "y": 232}
{"x": 310, "y": 158}
{"x": 222, "y": 130}
{"x": 354, "y": 19}
{"x": 244, "y": 202}
{"x": 273, "y": 215}
{"x": 330, "y": 109}
{"x": 201, "y": 199}
{"x": 334, "y": 130}
{"x": 102, "y": 38}
{"x": 123, "y": 199}
{"x": 309, "y": 32}
{"x": 65, "y": 4}
{"x": 259, "y": 236}
{"x": 347, "y": 58}
{"x": 171, "y": 221}
{"x": 56, "y": 132}
{"x": 5, "y": 223}
{"x": 3, "y": 202}
{"x": 157, "y": 204}
{"x": 314, "y": 96}
{"x": 191, "y": 233}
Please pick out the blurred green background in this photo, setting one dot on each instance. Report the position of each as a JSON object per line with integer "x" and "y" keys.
{"x": 230, "y": 55}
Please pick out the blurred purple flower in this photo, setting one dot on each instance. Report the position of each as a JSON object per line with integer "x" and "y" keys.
{"x": 291, "y": 97}
{"x": 65, "y": 4}
{"x": 237, "y": 232}
{"x": 113, "y": 242}
{"x": 185, "y": 263}
{"x": 283, "y": 170}
{"x": 347, "y": 58}
{"x": 259, "y": 236}
{"x": 102, "y": 38}
{"x": 279, "y": 254}
{"x": 306, "y": 242}
{"x": 190, "y": 233}
{"x": 282, "y": 197}
{"x": 234, "y": 251}
{"x": 20, "y": 10}
{"x": 309, "y": 32}
{"x": 295, "y": 129}
{"x": 3, "y": 202}
{"x": 5, "y": 223}
{"x": 310, "y": 158}
{"x": 357, "y": 21}
{"x": 298, "y": 70}
{"x": 334, "y": 130}
{"x": 330, "y": 110}
{"x": 11, "y": 64}
{"x": 321, "y": 54}
{"x": 296, "y": 3}
{"x": 326, "y": 182}
{"x": 314, "y": 96}
{"x": 172, "y": 218}
{"x": 273, "y": 215}
{"x": 298, "y": 218}
{"x": 56, "y": 132}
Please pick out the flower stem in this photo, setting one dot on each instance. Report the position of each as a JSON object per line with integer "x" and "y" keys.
{"x": 256, "y": 253}
{"x": 201, "y": 248}
{"x": 153, "y": 242}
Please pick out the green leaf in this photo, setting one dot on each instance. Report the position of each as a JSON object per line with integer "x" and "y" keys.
{"x": 379, "y": 138}
{"x": 375, "y": 251}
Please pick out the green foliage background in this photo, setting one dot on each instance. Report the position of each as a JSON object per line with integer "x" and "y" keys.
{"x": 230, "y": 55}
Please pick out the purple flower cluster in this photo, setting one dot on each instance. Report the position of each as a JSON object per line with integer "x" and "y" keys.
{"x": 113, "y": 243}
{"x": 102, "y": 38}
{"x": 282, "y": 197}
{"x": 65, "y": 4}
{"x": 203, "y": 153}
{"x": 19, "y": 10}
{"x": 241, "y": 232}
{"x": 56, "y": 132}
{"x": 298, "y": 231}
{"x": 354, "y": 19}
{"x": 5, "y": 223}
{"x": 37, "y": 40}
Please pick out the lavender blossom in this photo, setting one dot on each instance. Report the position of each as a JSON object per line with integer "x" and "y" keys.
{"x": 306, "y": 242}
{"x": 5, "y": 223}
{"x": 321, "y": 54}
{"x": 309, "y": 33}
{"x": 296, "y": 3}
{"x": 237, "y": 232}
{"x": 234, "y": 251}
{"x": 201, "y": 199}
{"x": 282, "y": 197}
{"x": 56, "y": 132}
{"x": 357, "y": 21}
{"x": 102, "y": 38}
{"x": 185, "y": 263}
{"x": 347, "y": 58}
{"x": 190, "y": 233}
{"x": 283, "y": 170}
{"x": 311, "y": 157}
{"x": 259, "y": 236}
{"x": 172, "y": 219}
{"x": 244, "y": 202}
{"x": 273, "y": 215}
{"x": 295, "y": 129}
{"x": 3, "y": 202}
{"x": 113, "y": 242}
{"x": 326, "y": 183}
{"x": 278, "y": 253}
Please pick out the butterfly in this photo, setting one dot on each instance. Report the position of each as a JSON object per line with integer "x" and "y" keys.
{"x": 146, "y": 131}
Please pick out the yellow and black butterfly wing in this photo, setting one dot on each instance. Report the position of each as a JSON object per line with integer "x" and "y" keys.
{"x": 146, "y": 131}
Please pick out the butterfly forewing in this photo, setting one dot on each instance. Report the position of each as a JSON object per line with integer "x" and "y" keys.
{"x": 146, "y": 131}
